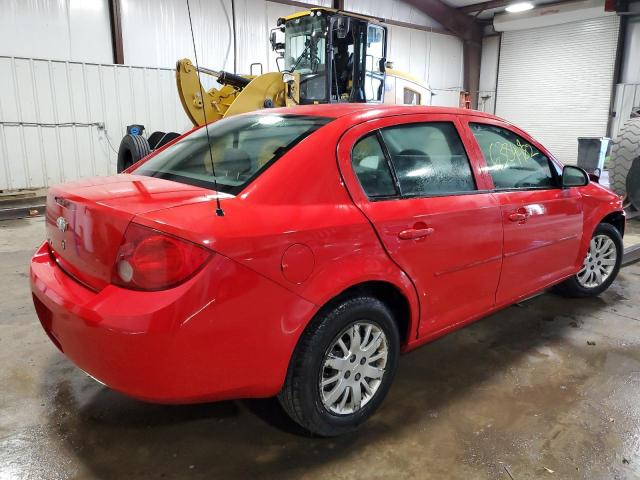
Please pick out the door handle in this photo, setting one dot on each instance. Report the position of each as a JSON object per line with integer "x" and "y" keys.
{"x": 518, "y": 217}
{"x": 414, "y": 233}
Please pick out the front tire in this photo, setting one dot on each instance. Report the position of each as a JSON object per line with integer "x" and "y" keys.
{"x": 601, "y": 264}
{"x": 342, "y": 367}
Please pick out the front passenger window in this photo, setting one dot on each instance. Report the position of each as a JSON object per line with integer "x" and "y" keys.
{"x": 513, "y": 163}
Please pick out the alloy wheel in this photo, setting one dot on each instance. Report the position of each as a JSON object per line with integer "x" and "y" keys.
{"x": 599, "y": 262}
{"x": 353, "y": 368}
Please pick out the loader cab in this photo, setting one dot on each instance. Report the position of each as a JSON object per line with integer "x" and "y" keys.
{"x": 333, "y": 57}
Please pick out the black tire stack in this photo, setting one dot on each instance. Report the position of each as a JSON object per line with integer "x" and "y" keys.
{"x": 132, "y": 148}
{"x": 135, "y": 147}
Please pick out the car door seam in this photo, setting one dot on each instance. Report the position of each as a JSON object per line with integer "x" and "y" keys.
{"x": 376, "y": 233}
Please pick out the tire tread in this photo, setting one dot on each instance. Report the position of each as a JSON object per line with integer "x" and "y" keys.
{"x": 572, "y": 288}
{"x": 625, "y": 148}
{"x": 290, "y": 396}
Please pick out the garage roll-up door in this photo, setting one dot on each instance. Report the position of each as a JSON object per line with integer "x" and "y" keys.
{"x": 555, "y": 82}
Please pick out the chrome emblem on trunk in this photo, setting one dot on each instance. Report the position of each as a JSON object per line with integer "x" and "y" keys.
{"x": 62, "y": 224}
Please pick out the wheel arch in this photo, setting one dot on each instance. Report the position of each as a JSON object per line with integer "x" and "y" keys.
{"x": 617, "y": 219}
{"x": 389, "y": 294}
{"x": 402, "y": 305}
{"x": 397, "y": 294}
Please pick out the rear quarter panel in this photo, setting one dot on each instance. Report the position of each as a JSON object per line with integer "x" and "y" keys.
{"x": 300, "y": 200}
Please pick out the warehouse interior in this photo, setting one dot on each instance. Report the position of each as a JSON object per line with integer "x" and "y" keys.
{"x": 546, "y": 388}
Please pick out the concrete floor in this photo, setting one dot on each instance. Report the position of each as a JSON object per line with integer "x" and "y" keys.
{"x": 519, "y": 394}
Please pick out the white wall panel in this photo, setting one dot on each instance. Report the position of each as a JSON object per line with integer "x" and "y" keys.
{"x": 397, "y": 10}
{"x": 76, "y": 30}
{"x": 252, "y": 34}
{"x": 156, "y": 33}
{"x": 49, "y": 111}
{"x": 273, "y": 12}
{"x": 488, "y": 73}
{"x": 432, "y": 57}
{"x": 556, "y": 81}
{"x": 445, "y": 69}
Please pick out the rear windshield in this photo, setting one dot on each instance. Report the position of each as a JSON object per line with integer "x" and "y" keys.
{"x": 241, "y": 147}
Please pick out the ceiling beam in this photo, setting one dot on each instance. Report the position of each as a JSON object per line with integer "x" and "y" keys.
{"x": 451, "y": 18}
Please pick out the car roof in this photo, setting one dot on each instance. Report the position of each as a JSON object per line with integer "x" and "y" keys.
{"x": 359, "y": 111}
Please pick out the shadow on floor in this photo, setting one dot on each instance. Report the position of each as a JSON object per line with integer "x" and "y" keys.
{"x": 115, "y": 436}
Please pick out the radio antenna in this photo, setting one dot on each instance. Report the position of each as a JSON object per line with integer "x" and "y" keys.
{"x": 219, "y": 211}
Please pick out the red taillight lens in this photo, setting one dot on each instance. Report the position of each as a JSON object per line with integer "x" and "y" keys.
{"x": 152, "y": 260}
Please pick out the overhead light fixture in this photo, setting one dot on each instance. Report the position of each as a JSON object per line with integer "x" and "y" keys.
{"x": 519, "y": 7}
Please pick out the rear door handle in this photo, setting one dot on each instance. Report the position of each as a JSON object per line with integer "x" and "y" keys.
{"x": 518, "y": 217}
{"x": 413, "y": 233}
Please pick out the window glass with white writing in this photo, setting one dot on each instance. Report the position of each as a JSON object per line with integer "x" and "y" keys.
{"x": 512, "y": 162}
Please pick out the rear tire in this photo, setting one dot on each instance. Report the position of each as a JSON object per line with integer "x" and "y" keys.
{"x": 132, "y": 148}
{"x": 598, "y": 261}
{"x": 368, "y": 355}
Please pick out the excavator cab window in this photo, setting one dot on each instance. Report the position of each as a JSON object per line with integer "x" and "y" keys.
{"x": 305, "y": 53}
{"x": 339, "y": 58}
{"x": 375, "y": 60}
{"x": 357, "y": 60}
{"x": 343, "y": 40}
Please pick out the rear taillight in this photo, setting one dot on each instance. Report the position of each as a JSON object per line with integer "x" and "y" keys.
{"x": 152, "y": 260}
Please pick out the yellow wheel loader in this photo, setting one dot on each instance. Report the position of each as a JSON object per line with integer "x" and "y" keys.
{"x": 325, "y": 56}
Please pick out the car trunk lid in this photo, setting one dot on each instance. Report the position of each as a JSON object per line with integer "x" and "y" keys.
{"x": 86, "y": 220}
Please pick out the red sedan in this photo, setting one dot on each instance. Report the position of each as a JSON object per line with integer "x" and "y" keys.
{"x": 330, "y": 239}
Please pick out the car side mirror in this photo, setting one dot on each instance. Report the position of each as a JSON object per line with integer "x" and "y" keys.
{"x": 574, "y": 177}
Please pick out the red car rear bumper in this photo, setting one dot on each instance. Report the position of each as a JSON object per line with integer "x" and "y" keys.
{"x": 226, "y": 333}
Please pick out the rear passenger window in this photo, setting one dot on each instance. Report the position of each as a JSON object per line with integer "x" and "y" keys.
{"x": 371, "y": 168}
{"x": 513, "y": 163}
{"x": 429, "y": 159}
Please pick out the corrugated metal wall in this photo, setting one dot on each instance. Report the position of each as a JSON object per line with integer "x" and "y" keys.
{"x": 156, "y": 32}
{"x": 556, "y": 81}
{"x": 64, "y": 90}
{"x": 76, "y": 30}
{"x": 627, "y": 97}
{"x": 50, "y": 113}
{"x": 433, "y": 57}
{"x": 392, "y": 10}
